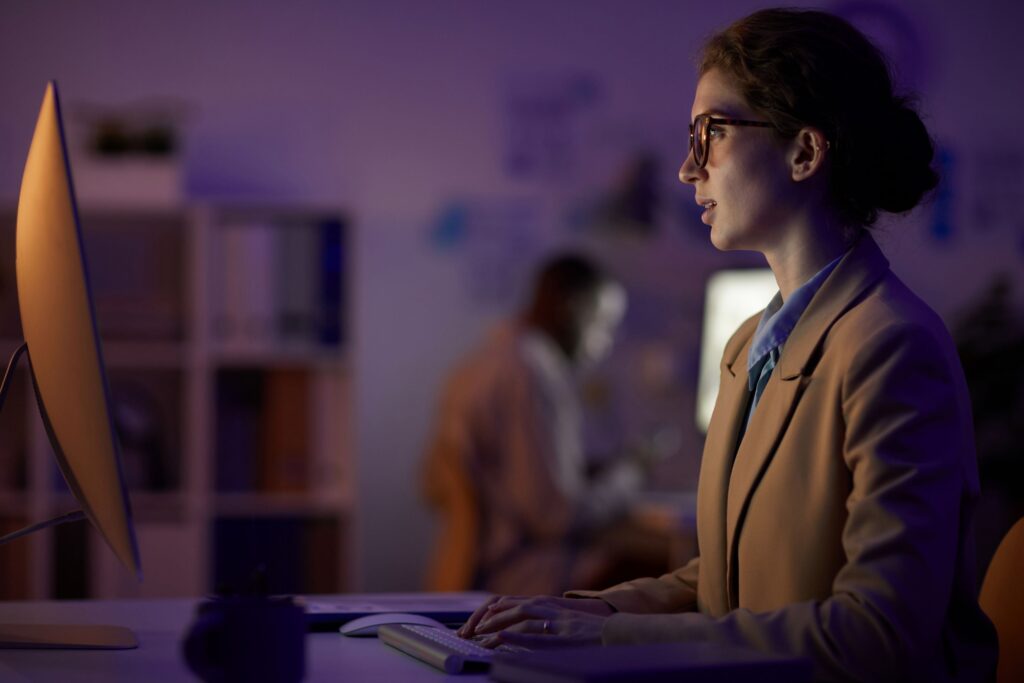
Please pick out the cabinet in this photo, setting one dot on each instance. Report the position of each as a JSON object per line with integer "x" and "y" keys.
{"x": 225, "y": 342}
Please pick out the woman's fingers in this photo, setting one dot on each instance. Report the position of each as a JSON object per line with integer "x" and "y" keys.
{"x": 497, "y": 604}
{"x": 570, "y": 628}
{"x": 469, "y": 628}
{"x": 501, "y": 619}
{"x": 503, "y": 605}
{"x": 538, "y": 623}
{"x": 502, "y": 612}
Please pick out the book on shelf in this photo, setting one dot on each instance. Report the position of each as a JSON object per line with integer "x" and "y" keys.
{"x": 284, "y": 447}
{"x": 277, "y": 282}
{"x": 13, "y": 561}
{"x": 322, "y": 551}
{"x": 136, "y": 276}
{"x": 71, "y": 561}
{"x": 10, "y": 314}
{"x": 281, "y": 430}
{"x": 14, "y": 428}
{"x": 329, "y": 431}
{"x": 239, "y": 406}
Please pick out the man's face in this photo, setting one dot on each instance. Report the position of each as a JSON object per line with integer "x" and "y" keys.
{"x": 599, "y": 316}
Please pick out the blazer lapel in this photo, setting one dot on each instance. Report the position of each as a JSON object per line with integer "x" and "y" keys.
{"x": 719, "y": 449}
{"x": 767, "y": 425}
{"x": 861, "y": 268}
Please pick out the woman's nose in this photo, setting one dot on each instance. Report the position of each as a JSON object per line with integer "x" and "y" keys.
{"x": 689, "y": 172}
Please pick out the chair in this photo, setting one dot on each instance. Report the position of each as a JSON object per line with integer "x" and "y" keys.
{"x": 1003, "y": 601}
{"x": 449, "y": 489}
{"x": 454, "y": 561}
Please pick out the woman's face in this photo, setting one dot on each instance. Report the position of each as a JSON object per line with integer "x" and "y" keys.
{"x": 746, "y": 186}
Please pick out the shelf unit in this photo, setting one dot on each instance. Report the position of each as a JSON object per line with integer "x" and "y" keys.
{"x": 172, "y": 289}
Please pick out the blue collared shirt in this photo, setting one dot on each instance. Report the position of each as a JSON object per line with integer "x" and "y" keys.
{"x": 774, "y": 328}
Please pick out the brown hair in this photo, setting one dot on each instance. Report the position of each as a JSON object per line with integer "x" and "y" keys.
{"x": 802, "y": 68}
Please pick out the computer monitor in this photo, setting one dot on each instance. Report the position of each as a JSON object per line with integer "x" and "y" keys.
{"x": 66, "y": 367}
{"x": 731, "y": 297}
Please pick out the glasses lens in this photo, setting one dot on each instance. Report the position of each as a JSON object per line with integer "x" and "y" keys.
{"x": 700, "y": 140}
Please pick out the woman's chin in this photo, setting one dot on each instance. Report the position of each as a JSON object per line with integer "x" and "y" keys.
{"x": 726, "y": 240}
{"x": 720, "y": 240}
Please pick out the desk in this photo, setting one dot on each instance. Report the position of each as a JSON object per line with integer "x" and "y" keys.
{"x": 160, "y": 625}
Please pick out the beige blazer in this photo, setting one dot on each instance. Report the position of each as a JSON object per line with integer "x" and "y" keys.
{"x": 840, "y": 528}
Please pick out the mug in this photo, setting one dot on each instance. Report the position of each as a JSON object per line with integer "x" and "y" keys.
{"x": 246, "y": 638}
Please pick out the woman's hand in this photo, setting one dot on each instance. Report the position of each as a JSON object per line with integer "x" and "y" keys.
{"x": 538, "y": 621}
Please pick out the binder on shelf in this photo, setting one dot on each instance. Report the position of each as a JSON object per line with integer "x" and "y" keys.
{"x": 230, "y": 271}
{"x": 260, "y": 283}
{"x": 278, "y": 282}
{"x": 331, "y": 263}
{"x": 298, "y": 277}
{"x": 245, "y": 315}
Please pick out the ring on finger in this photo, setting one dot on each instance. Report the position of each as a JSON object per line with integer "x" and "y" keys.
{"x": 547, "y": 626}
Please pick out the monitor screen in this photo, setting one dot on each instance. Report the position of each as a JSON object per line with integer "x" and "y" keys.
{"x": 731, "y": 297}
{"x": 60, "y": 332}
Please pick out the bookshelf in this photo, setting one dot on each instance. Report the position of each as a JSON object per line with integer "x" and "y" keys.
{"x": 224, "y": 336}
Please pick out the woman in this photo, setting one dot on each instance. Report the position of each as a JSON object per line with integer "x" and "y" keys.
{"x": 838, "y": 481}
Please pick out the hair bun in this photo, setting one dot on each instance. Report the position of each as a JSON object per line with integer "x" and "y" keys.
{"x": 904, "y": 168}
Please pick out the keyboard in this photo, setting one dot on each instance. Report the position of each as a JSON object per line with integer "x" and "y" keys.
{"x": 441, "y": 647}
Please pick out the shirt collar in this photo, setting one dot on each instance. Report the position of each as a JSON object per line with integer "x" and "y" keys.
{"x": 779, "y": 318}
{"x": 545, "y": 355}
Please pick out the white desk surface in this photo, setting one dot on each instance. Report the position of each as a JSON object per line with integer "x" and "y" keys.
{"x": 160, "y": 626}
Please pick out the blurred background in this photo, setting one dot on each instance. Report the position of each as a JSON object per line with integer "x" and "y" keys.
{"x": 299, "y": 215}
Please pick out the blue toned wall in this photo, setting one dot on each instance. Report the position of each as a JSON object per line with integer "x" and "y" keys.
{"x": 397, "y": 110}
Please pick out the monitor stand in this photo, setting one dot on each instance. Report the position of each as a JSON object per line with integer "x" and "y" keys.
{"x": 55, "y": 636}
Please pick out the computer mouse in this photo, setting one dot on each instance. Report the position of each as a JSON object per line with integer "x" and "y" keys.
{"x": 367, "y": 626}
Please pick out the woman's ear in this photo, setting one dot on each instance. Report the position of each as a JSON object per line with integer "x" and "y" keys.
{"x": 808, "y": 152}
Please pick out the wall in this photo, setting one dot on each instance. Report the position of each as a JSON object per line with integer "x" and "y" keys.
{"x": 395, "y": 110}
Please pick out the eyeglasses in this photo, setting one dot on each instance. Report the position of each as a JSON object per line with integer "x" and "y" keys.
{"x": 700, "y": 135}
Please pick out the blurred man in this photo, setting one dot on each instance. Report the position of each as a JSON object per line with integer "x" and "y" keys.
{"x": 506, "y": 468}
